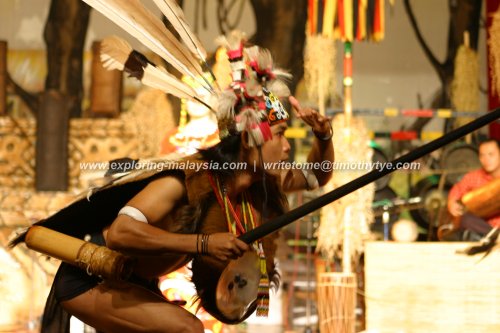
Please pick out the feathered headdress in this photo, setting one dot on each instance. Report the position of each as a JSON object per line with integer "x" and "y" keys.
{"x": 251, "y": 103}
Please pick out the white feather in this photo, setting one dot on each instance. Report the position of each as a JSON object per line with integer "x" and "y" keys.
{"x": 114, "y": 52}
{"x": 249, "y": 121}
{"x": 282, "y": 74}
{"x": 175, "y": 16}
{"x": 264, "y": 60}
{"x": 253, "y": 88}
{"x": 278, "y": 88}
{"x": 225, "y": 104}
{"x": 139, "y": 22}
{"x": 160, "y": 79}
{"x": 231, "y": 41}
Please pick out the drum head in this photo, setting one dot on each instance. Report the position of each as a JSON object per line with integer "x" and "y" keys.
{"x": 458, "y": 160}
{"x": 238, "y": 286}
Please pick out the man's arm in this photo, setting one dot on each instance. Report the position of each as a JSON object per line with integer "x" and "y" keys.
{"x": 322, "y": 150}
{"x": 456, "y": 193}
{"x": 155, "y": 202}
{"x": 133, "y": 235}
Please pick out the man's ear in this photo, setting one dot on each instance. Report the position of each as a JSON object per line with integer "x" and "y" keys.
{"x": 245, "y": 139}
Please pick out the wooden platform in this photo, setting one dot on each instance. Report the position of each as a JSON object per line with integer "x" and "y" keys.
{"x": 428, "y": 287}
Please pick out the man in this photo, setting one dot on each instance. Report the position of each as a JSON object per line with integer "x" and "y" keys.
{"x": 174, "y": 216}
{"x": 489, "y": 157}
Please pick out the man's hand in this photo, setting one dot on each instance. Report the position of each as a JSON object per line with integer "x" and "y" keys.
{"x": 455, "y": 208}
{"x": 319, "y": 124}
{"x": 226, "y": 246}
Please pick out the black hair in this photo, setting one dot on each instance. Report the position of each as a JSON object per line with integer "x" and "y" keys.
{"x": 226, "y": 151}
{"x": 490, "y": 140}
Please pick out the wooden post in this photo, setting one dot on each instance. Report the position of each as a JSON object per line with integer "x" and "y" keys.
{"x": 52, "y": 132}
{"x": 106, "y": 88}
{"x": 3, "y": 78}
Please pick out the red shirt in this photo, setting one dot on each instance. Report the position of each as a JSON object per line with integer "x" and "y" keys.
{"x": 471, "y": 181}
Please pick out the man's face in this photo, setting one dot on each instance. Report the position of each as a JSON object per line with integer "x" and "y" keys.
{"x": 275, "y": 150}
{"x": 489, "y": 156}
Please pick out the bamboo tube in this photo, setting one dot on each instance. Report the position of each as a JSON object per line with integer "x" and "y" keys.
{"x": 97, "y": 260}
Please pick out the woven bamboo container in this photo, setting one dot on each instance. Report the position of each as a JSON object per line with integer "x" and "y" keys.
{"x": 336, "y": 302}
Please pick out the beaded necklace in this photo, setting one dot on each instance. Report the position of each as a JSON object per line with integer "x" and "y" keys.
{"x": 237, "y": 228}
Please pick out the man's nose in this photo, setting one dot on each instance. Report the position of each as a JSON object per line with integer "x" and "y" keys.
{"x": 286, "y": 146}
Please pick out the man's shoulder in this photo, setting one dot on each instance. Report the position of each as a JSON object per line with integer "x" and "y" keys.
{"x": 475, "y": 179}
{"x": 476, "y": 174}
{"x": 163, "y": 190}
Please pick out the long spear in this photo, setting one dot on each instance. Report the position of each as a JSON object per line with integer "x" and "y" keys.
{"x": 295, "y": 214}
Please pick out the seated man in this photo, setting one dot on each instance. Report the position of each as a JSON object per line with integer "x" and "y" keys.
{"x": 489, "y": 157}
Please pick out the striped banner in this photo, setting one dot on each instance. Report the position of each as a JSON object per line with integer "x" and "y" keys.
{"x": 348, "y": 20}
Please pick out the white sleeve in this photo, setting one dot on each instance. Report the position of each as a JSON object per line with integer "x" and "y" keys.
{"x": 312, "y": 181}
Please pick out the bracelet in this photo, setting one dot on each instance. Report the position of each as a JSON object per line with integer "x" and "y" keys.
{"x": 325, "y": 138}
{"x": 205, "y": 251}
{"x": 204, "y": 244}
{"x": 197, "y": 243}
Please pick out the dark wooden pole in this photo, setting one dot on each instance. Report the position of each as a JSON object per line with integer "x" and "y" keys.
{"x": 281, "y": 28}
{"x": 51, "y": 170}
{"x": 64, "y": 35}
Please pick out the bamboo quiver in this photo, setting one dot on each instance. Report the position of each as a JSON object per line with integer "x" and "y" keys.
{"x": 96, "y": 260}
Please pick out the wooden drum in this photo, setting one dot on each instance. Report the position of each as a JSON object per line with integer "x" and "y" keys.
{"x": 337, "y": 302}
{"x": 484, "y": 201}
